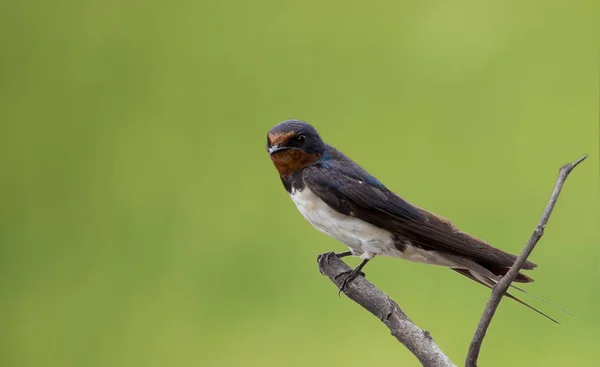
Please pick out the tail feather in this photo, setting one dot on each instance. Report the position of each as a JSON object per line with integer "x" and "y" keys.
{"x": 541, "y": 299}
{"x": 468, "y": 274}
{"x": 501, "y": 270}
{"x": 531, "y": 307}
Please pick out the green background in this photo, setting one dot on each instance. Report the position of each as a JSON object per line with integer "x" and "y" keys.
{"x": 142, "y": 222}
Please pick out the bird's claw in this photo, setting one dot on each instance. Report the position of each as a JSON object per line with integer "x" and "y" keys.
{"x": 324, "y": 257}
{"x": 352, "y": 274}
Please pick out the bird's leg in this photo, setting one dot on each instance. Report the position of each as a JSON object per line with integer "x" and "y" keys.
{"x": 326, "y": 257}
{"x": 352, "y": 274}
{"x": 343, "y": 254}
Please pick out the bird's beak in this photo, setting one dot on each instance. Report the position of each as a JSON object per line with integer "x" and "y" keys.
{"x": 276, "y": 148}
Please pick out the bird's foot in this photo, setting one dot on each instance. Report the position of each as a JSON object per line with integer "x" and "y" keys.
{"x": 326, "y": 256}
{"x": 351, "y": 275}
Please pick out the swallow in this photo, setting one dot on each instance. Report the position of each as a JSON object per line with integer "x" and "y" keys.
{"x": 339, "y": 198}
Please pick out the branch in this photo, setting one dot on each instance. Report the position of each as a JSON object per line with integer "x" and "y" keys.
{"x": 361, "y": 291}
{"x": 501, "y": 287}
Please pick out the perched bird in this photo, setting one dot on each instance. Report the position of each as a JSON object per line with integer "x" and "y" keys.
{"x": 342, "y": 200}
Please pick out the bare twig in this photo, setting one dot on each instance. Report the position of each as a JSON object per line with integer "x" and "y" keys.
{"x": 418, "y": 341}
{"x": 501, "y": 287}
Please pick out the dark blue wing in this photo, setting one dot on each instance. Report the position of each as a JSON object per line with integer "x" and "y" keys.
{"x": 348, "y": 189}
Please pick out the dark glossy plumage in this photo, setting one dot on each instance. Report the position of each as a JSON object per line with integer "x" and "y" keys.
{"x": 350, "y": 190}
{"x": 343, "y": 200}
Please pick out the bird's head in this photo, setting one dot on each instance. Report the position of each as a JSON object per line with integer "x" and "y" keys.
{"x": 293, "y": 145}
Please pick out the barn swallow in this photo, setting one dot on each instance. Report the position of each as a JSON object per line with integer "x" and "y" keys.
{"x": 342, "y": 200}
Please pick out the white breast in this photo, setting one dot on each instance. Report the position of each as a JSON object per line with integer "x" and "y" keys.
{"x": 363, "y": 238}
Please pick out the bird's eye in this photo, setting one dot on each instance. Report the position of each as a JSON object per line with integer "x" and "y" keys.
{"x": 301, "y": 138}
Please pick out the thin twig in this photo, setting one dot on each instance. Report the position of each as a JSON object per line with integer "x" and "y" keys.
{"x": 361, "y": 291}
{"x": 501, "y": 287}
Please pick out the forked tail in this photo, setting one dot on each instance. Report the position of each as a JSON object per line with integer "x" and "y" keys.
{"x": 468, "y": 274}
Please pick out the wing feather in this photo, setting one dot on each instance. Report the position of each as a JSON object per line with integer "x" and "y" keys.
{"x": 352, "y": 191}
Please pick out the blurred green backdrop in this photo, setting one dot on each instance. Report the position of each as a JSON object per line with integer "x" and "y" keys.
{"x": 143, "y": 224}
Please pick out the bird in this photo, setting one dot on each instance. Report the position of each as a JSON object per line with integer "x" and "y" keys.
{"x": 341, "y": 199}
